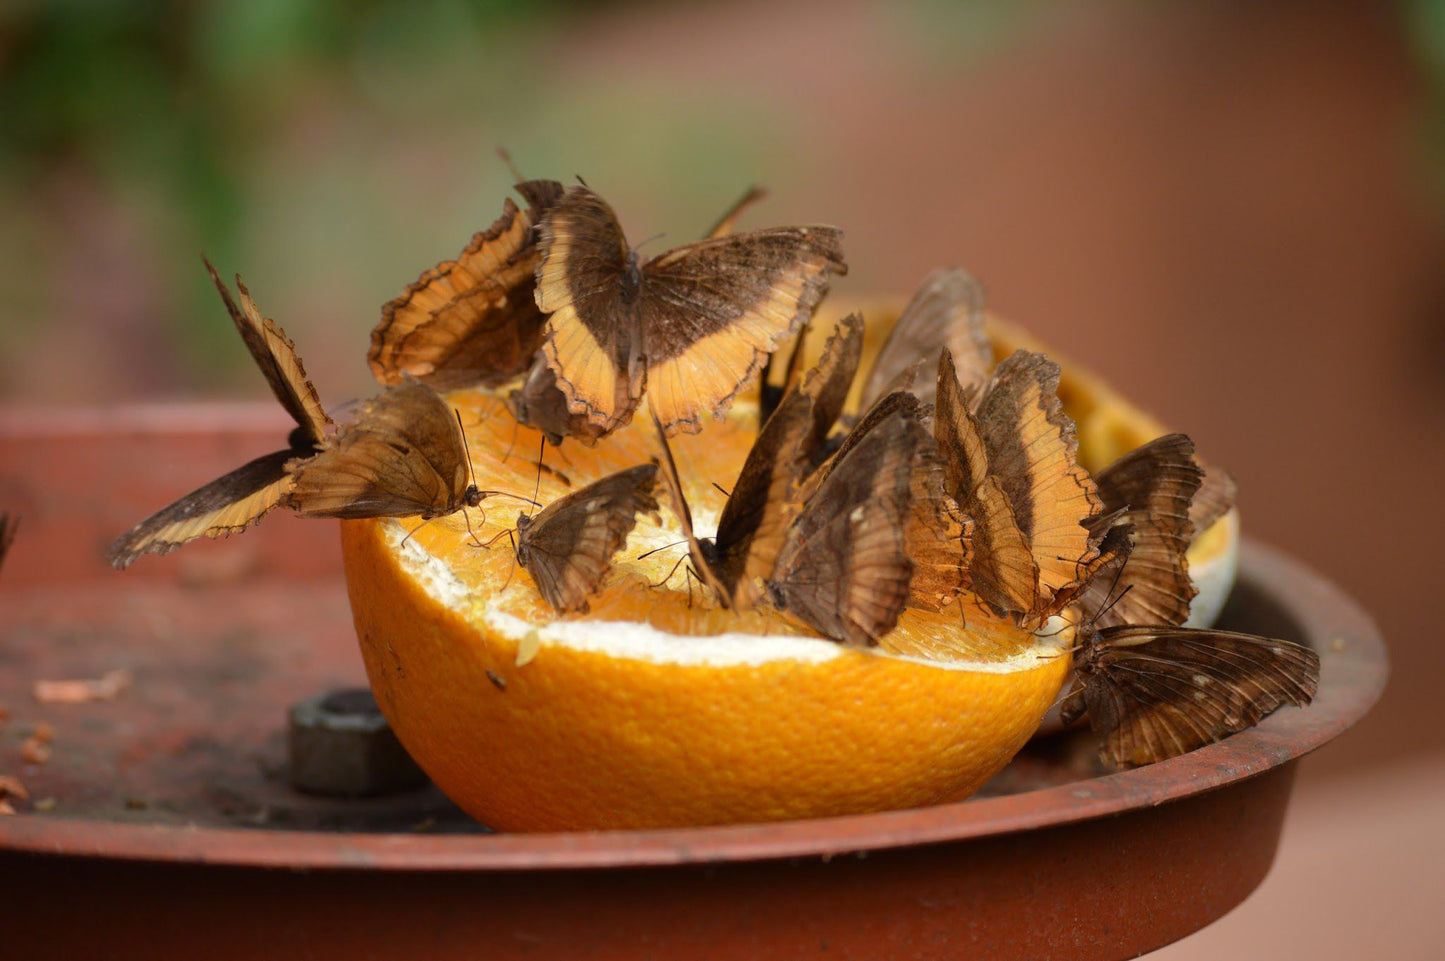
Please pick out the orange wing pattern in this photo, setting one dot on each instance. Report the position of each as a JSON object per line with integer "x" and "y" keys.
{"x": 472, "y": 320}
{"x": 692, "y": 326}
{"x": 403, "y": 456}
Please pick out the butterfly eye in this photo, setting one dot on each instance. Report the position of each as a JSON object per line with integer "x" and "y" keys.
{"x": 473, "y": 496}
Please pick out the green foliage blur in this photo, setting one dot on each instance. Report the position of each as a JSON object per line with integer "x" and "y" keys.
{"x": 329, "y": 151}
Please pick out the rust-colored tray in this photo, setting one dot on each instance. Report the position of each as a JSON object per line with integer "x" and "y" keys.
{"x": 169, "y": 830}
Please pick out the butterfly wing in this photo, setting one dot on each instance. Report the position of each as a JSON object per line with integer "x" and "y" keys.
{"x": 1002, "y": 570}
{"x": 402, "y": 456}
{"x": 770, "y": 395}
{"x": 755, "y": 519}
{"x": 939, "y": 536}
{"x": 225, "y": 506}
{"x": 702, "y": 562}
{"x": 1150, "y": 490}
{"x": 1214, "y": 499}
{"x": 828, "y": 382}
{"x": 568, "y": 546}
{"x": 844, "y": 567}
{"x": 276, "y": 355}
{"x": 711, "y": 312}
{"x": 1157, "y": 692}
{"x": 472, "y": 320}
{"x": 728, "y": 222}
{"x": 1033, "y": 452}
{"x": 946, "y": 311}
{"x": 541, "y": 404}
{"x": 587, "y": 281}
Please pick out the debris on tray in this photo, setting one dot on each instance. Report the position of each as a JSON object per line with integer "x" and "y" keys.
{"x": 105, "y": 688}
{"x": 34, "y": 751}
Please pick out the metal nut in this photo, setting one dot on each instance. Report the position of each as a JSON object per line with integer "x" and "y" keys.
{"x": 341, "y": 746}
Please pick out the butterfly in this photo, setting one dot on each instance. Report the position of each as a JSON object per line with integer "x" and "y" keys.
{"x": 473, "y": 320}
{"x": 241, "y": 498}
{"x": 1154, "y": 692}
{"x": 1216, "y": 496}
{"x": 946, "y": 311}
{"x": 691, "y": 325}
{"x": 568, "y": 546}
{"x": 1010, "y": 462}
{"x": 1146, "y": 497}
{"x": 9, "y": 525}
{"x": 843, "y": 567}
{"x": 540, "y": 403}
{"x": 404, "y": 455}
{"x": 750, "y": 530}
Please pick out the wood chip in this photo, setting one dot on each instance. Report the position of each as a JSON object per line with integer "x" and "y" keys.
{"x": 44, "y": 732}
{"x": 11, "y": 786}
{"x": 5, "y": 808}
{"x": 105, "y": 688}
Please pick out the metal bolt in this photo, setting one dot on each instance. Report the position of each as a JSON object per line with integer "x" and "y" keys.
{"x": 342, "y": 746}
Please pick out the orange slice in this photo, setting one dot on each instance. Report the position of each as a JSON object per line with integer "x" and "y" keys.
{"x": 657, "y": 709}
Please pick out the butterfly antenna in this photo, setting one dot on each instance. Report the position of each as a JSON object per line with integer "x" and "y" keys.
{"x": 662, "y": 548}
{"x": 649, "y": 240}
{"x": 506, "y": 156}
{"x": 541, "y": 453}
{"x": 516, "y": 426}
{"x": 1112, "y": 601}
{"x": 466, "y": 448}
{"x": 721, "y": 489}
{"x": 525, "y": 500}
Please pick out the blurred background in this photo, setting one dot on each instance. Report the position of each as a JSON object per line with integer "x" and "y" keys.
{"x": 1232, "y": 210}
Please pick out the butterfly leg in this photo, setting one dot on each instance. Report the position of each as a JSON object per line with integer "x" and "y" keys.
{"x": 513, "y": 569}
{"x": 664, "y": 581}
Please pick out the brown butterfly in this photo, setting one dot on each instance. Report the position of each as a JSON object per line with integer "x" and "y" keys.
{"x": 844, "y": 568}
{"x": 241, "y": 498}
{"x": 1010, "y": 461}
{"x": 1214, "y": 499}
{"x": 473, "y": 320}
{"x": 940, "y": 535}
{"x": 946, "y": 311}
{"x": 691, "y": 325}
{"x": 403, "y": 456}
{"x": 1156, "y": 692}
{"x": 937, "y": 531}
{"x": 9, "y": 524}
{"x": 540, "y": 403}
{"x": 828, "y": 382}
{"x": 568, "y": 546}
{"x": 1146, "y": 496}
{"x": 750, "y": 530}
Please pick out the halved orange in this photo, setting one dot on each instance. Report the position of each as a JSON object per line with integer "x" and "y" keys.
{"x": 656, "y": 708}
